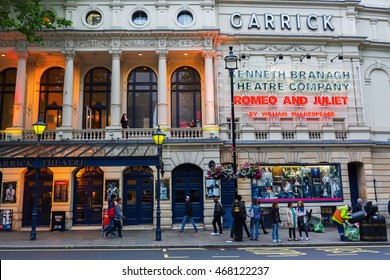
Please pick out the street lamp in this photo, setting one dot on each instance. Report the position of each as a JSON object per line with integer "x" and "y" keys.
{"x": 231, "y": 64}
{"x": 39, "y": 128}
{"x": 158, "y": 138}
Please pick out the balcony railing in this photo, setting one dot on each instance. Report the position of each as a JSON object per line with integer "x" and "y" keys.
{"x": 189, "y": 133}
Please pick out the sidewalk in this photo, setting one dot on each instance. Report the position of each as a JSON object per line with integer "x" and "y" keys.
{"x": 82, "y": 239}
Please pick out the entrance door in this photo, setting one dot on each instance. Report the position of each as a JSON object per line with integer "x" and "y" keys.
{"x": 88, "y": 197}
{"x": 45, "y": 185}
{"x": 187, "y": 180}
{"x": 227, "y": 198}
{"x": 353, "y": 182}
{"x": 138, "y": 199}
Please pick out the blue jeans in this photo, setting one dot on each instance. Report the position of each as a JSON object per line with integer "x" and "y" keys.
{"x": 255, "y": 221}
{"x": 188, "y": 219}
{"x": 275, "y": 232}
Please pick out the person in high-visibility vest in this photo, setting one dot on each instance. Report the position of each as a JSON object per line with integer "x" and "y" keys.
{"x": 340, "y": 217}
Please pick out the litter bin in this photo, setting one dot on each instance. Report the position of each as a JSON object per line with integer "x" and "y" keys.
{"x": 374, "y": 229}
{"x": 58, "y": 221}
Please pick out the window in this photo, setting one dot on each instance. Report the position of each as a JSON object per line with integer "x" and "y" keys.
{"x": 48, "y": 17}
{"x": 94, "y": 18}
{"x": 7, "y": 96}
{"x": 142, "y": 98}
{"x": 139, "y": 18}
{"x": 185, "y": 18}
{"x": 51, "y": 97}
{"x": 186, "y": 97}
{"x": 309, "y": 183}
{"x": 97, "y": 98}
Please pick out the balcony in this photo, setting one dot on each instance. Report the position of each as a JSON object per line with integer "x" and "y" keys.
{"x": 243, "y": 134}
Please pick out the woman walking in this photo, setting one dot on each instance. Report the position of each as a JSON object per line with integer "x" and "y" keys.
{"x": 255, "y": 220}
{"x": 302, "y": 220}
{"x": 275, "y": 221}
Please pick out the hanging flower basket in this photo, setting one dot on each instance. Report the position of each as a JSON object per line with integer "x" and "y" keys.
{"x": 220, "y": 171}
{"x": 249, "y": 171}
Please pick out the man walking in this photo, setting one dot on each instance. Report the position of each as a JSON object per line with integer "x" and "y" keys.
{"x": 218, "y": 213}
{"x": 188, "y": 217}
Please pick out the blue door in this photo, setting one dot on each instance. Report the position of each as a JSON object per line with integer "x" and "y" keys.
{"x": 353, "y": 182}
{"x": 88, "y": 196}
{"x": 227, "y": 198}
{"x": 138, "y": 199}
{"x": 187, "y": 180}
{"x": 44, "y": 199}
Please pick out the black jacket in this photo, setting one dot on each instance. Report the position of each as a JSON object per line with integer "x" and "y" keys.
{"x": 275, "y": 217}
{"x": 188, "y": 209}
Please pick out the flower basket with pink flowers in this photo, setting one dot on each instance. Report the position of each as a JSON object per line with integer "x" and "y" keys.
{"x": 249, "y": 171}
{"x": 221, "y": 171}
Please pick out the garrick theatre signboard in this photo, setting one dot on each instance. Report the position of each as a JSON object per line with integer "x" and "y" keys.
{"x": 292, "y": 93}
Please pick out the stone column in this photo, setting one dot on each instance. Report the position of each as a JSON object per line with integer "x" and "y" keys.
{"x": 209, "y": 87}
{"x": 115, "y": 88}
{"x": 68, "y": 89}
{"x": 20, "y": 88}
{"x": 162, "y": 117}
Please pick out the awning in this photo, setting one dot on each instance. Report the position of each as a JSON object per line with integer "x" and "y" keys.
{"x": 19, "y": 155}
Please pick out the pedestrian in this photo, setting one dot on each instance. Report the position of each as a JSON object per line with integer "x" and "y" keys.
{"x": 255, "y": 220}
{"x": 188, "y": 216}
{"x": 340, "y": 217}
{"x": 218, "y": 213}
{"x": 239, "y": 216}
{"x": 358, "y": 206}
{"x": 124, "y": 121}
{"x": 262, "y": 217}
{"x": 302, "y": 220}
{"x": 291, "y": 221}
{"x": 245, "y": 226}
{"x": 117, "y": 219}
{"x": 275, "y": 221}
{"x": 111, "y": 204}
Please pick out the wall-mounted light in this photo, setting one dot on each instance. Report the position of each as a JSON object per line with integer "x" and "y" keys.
{"x": 308, "y": 56}
{"x": 340, "y": 56}
{"x": 244, "y": 56}
{"x": 3, "y": 54}
{"x": 280, "y": 56}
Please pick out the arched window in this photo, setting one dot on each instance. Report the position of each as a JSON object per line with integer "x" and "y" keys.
{"x": 142, "y": 98}
{"x": 186, "y": 97}
{"x": 50, "y": 97}
{"x": 97, "y": 98}
{"x": 7, "y": 96}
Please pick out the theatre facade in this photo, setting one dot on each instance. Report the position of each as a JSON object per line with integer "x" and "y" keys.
{"x": 310, "y": 95}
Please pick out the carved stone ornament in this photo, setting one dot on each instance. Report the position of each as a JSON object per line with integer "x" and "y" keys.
{"x": 258, "y": 47}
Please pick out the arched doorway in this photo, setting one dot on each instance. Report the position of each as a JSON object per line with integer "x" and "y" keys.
{"x": 138, "y": 195}
{"x": 88, "y": 196}
{"x": 44, "y": 199}
{"x": 187, "y": 180}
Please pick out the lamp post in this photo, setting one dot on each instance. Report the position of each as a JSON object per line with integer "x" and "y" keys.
{"x": 39, "y": 128}
{"x": 231, "y": 64}
{"x": 158, "y": 138}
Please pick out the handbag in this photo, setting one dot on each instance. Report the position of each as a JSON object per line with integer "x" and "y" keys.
{"x": 250, "y": 214}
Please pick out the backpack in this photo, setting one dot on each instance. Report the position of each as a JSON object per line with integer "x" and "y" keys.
{"x": 111, "y": 212}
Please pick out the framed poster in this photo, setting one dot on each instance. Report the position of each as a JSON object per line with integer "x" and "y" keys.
{"x": 112, "y": 187}
{"x": 164, "y": 189}
{"x": 212, "y": 187}
{"x": 9, "y": 192}
{"x": 61, "y": 191}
